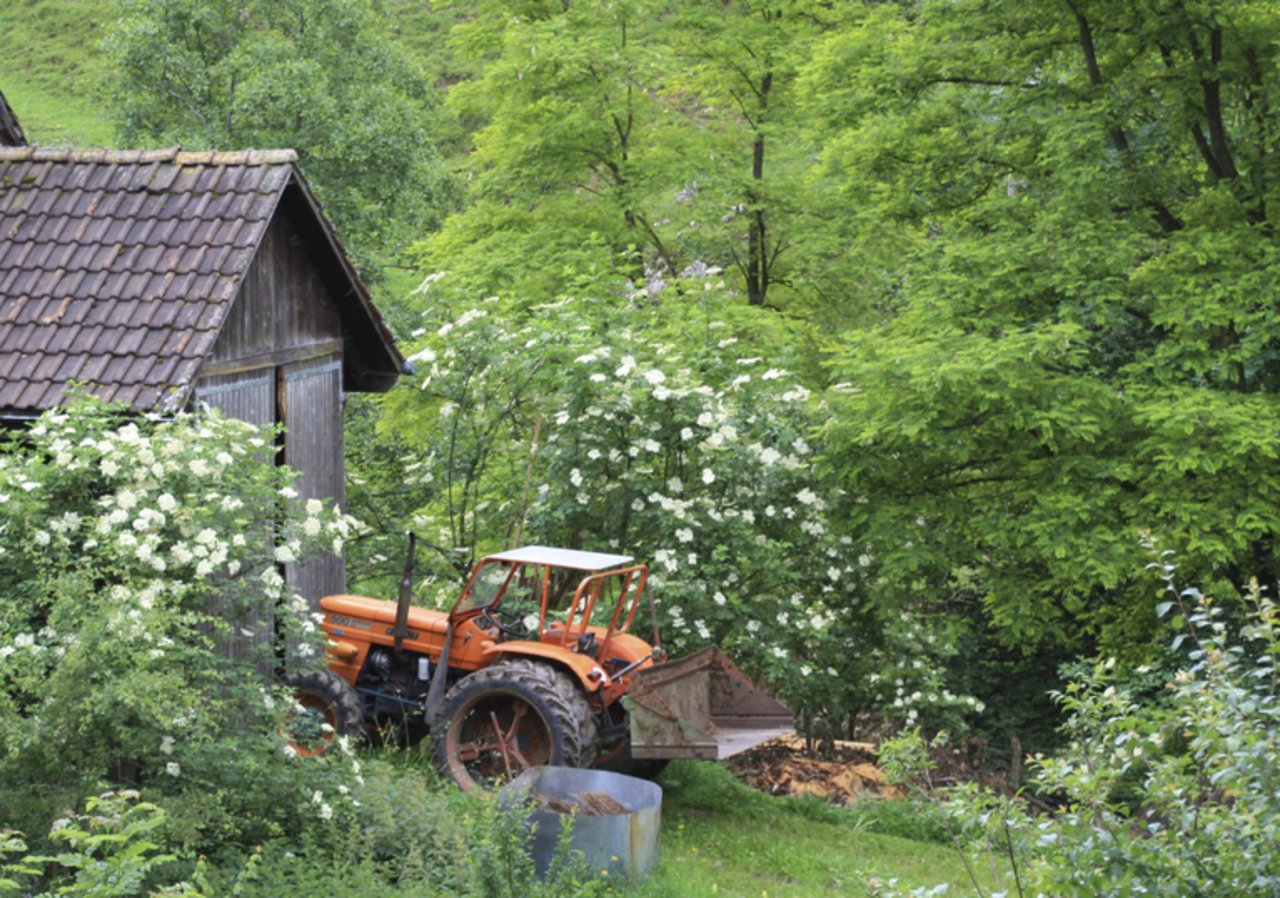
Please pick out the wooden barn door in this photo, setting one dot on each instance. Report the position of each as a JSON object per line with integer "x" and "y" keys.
{"x": 249, "y": 396}
{"x": 310, "y": 404}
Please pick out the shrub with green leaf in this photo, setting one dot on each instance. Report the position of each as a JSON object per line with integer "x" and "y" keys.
{"x": 1173, "y": 794}
{"x": 677, "y": 434}
{"x": 142, "y": 613}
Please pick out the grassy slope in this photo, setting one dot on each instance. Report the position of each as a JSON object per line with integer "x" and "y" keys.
{"x": 51, "y": 69}
{"x": 721, "y": 838}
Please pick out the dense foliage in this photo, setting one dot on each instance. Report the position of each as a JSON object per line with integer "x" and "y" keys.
{"x": 611, "y": 426}
{"x": 142, "y": 612}
{"x": 1077, "y": 338}
{"x": 1028, "y": 248}
{"x": 322, "y": 77}
{"x": 1166, "y": 784}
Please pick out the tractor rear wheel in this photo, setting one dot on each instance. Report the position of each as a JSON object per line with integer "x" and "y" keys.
{"x": 515, "y": 714}
{"x": 328, "y": 707}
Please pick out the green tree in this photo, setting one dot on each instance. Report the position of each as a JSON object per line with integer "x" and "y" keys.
{"x": 736, "y": 85}
{"x": 647, "y": 140}
{"x": 1068, "y": 213}
{"x": 324, "y": 77}
{"x": 574, "y": 148}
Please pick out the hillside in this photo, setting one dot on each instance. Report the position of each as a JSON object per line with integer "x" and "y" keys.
{"x": 52, "y": 68}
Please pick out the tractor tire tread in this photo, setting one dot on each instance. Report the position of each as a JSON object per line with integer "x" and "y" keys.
{"x": 576, "y": 722}
{"x": 348, "y": 710}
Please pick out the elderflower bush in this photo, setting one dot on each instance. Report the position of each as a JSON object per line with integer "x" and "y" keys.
{"x": 613, "y": 427}
{"x": 142, "y": 608}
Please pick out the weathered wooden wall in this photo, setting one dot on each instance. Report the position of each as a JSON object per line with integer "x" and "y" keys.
{"x": 278, "y": 359}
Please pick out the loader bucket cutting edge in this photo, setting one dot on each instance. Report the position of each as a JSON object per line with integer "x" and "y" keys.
{"x": 700, "y": 706}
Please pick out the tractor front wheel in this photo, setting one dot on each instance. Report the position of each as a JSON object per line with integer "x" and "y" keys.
{"x": 327, "y": 707}
{"x": 516, "y": 714}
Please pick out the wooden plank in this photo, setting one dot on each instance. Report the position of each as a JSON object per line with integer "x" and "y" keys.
{"x": 283, "y": 304}
{"x": 248, "y": 396}
{"x": 311, "y": 411}
{"x": 275, "y": 358}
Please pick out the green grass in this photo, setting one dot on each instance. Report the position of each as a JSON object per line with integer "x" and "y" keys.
{"x": 52, "y": 69}
{"x": 720, "y": 837}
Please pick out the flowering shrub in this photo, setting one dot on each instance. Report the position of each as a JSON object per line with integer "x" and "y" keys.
{"x": 142, "y": 610}
{"x": 657, "y": 431}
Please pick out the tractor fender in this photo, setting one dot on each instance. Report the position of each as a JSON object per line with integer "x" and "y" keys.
{"x": 581, "y": 667}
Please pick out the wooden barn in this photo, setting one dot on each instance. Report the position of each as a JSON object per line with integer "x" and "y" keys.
{"x": 164, "y": 280}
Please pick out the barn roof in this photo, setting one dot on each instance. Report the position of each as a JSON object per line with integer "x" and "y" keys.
{"x": 10, "y": 131}
{"x": 118, "y": 267}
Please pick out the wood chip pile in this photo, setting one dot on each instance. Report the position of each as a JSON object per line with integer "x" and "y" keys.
{"x": 843, "y": 773}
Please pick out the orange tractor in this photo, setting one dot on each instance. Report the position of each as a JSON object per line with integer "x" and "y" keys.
{"x": 535, "y": 664}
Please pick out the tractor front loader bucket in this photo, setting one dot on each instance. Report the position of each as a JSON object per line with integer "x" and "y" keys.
{"x": 700, "y": 706}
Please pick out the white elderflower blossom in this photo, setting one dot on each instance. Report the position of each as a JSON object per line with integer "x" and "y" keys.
{"x": 708, "y": 476}
{"x": 173, "y": 769}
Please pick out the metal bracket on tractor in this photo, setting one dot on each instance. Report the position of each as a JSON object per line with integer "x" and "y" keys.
{"x": 700, "y": 706}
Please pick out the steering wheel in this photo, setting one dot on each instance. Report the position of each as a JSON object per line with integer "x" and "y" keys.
{"x": 491, "y": 620}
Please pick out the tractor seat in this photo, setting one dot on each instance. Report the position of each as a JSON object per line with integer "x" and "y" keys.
{"x": 364, "y": 608}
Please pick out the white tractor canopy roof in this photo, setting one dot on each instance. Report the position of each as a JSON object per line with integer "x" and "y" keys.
{"x": 571, "y": 559}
